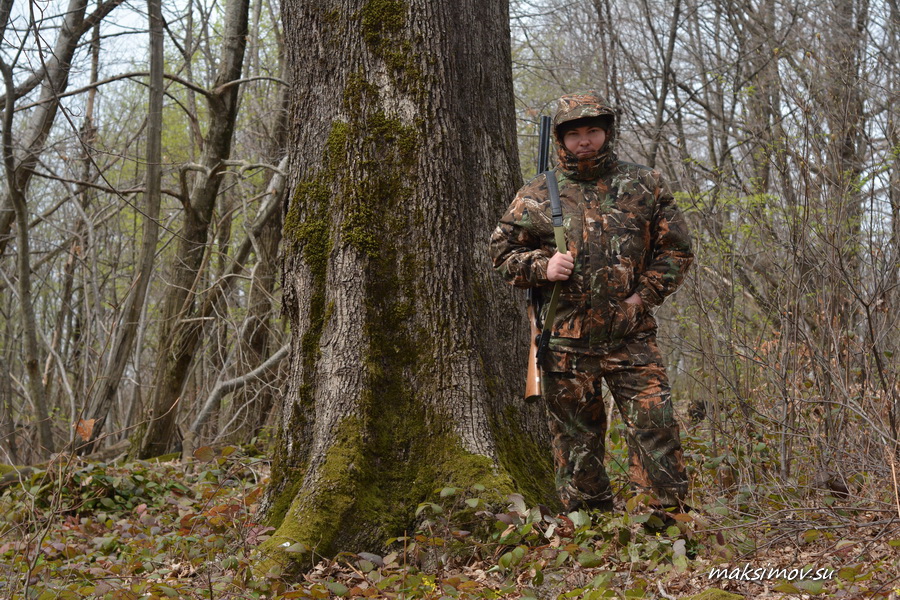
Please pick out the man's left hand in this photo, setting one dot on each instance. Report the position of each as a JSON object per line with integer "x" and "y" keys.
{"x": 634, "y": 299}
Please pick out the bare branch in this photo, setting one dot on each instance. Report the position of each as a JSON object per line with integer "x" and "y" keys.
{"x": 114, "y": 78}
{"x": 224, "y": 387}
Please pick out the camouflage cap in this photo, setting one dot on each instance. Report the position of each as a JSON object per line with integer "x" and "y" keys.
{"x": 582, "y": 105}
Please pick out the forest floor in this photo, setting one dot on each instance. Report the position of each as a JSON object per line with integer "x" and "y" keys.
{"x": 189, "y": 530}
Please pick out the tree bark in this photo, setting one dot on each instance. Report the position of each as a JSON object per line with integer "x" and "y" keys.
{"x": 408, "y": 353}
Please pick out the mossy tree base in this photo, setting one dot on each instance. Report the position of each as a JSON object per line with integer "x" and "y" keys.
{"x": 408, "y": 353}
{"x": 362, "y": 498}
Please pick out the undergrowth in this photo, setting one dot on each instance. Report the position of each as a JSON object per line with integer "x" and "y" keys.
{"x": 148, "y": 530}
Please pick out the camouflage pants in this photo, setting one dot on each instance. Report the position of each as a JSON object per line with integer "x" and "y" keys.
{"x": 577, "y": 415}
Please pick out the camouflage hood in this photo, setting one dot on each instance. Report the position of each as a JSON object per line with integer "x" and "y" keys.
{"x": 585, "y": 105}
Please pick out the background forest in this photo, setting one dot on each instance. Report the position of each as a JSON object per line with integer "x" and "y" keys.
{"x": 146, "y": 180}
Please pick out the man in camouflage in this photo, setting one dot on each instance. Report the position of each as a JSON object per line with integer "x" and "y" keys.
{"x": 628, "y": 249}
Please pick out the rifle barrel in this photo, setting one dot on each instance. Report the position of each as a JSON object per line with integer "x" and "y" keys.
{"x": 544, "y": 144}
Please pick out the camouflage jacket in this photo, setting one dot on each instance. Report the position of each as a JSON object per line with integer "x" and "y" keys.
{"x": 626, "y": 235}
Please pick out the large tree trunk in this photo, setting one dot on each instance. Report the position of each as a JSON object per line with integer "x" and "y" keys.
{"x": 407, "y": 357}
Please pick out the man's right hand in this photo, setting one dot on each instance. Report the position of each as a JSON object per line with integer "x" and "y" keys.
{"x": 560, "y": 267}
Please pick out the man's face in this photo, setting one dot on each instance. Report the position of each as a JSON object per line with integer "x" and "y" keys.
{"x": 584, "y": 141}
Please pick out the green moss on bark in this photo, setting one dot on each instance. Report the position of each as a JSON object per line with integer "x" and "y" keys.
{"x": 307, "y": 232}
{"x": 371, "y": 204}
{"x": 358, "y": 93}
{"x": 292, "y": 480}
{"x": 328, "y": 503}
{"x": 382, "y": 20}
{"x": 528, "y": 463}
{"x": 372, "y": 480}
{"x": 383, "y": 27}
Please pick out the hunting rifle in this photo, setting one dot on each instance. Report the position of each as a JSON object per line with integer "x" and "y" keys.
{"x": 540, "y": 333}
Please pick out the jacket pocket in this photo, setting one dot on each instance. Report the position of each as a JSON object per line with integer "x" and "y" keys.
{"x": 626, "y": 319}
{"x": 571, "y": 311}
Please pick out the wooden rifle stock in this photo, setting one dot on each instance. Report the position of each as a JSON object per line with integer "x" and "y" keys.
{"x": 533, "y": 375}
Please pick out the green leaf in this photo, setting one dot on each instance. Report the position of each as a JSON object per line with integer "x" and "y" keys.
{"x": 713, "y": 463}
{"x": 580, "y": 518}
{"x": 813, "y": 587}
{"x": 601, "y": 581}
{"x": 518, "y": 502}
{"x": 478, "y": 487}
{"x": 538, "y": 578}
{"x": 274, "y": 571}
{"x": 365, "y": 566}
{"x": 298, "y": 548}
{"x": 589, "y": 559}
{"x": 377, "y": 560}
{"x": 434, "y": 508}
{"x": 448, "y": 491}
{"x": 642, "y": 518}
{"x": 104, "y": 543}
{"x": 338, "y": 589}
{"x": 204, "y": 454}
{"x": 787, "y": 588}
{"x": 473, "y": 502}
{"x": 387, "y": 582}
